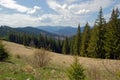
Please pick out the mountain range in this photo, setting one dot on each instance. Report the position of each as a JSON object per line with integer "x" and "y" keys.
{"x": 51, "y": 31}
{"x": 60, "y": 30}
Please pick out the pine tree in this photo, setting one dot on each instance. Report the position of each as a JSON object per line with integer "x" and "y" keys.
{"x": 3, "y": 52}
{"x": 72, "y": 45}
{"x": 101, "y": 23}
{"x": 112, "y": 43}
{"x": 85, "y": 40}
{"x": 96, "y": 44}
{"x": 25, "y": 41}
{"x": 76, "y": 71}
{"x": 77, "y": 42}
{"x": 58, "y": 45}
{"x": 65, "y": 49}
{"x": 92, "y": 45}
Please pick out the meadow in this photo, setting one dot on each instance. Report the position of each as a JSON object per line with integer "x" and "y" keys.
{"x": 17, "y": 68}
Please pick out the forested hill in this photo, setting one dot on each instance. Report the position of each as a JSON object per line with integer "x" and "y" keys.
{"x": 4, "y": 30}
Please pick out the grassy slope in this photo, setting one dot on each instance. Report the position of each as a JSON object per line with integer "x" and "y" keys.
{"x": 96, "y": 69}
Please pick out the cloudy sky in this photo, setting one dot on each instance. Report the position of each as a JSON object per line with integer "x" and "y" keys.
{"x": 21, "y": 13}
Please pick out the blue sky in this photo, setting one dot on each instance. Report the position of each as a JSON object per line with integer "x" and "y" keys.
{"x": 21, "y": 13}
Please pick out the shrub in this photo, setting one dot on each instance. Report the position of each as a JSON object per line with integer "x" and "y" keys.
{"x": 3, "y": 52}
{"x": 76, "y": 71}
{"x": 40, "y": 58}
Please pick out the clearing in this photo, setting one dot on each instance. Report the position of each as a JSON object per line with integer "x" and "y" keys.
{"x": 95, "y": 69}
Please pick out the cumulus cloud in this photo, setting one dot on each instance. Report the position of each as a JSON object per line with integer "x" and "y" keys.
{"x": 33, "y": 10}
{"x": 66, "y": 13}
{"x": 55, "y": 5}
{"x": 77, "y": 10}
{"x": 82, "y": 11}
{"x": 12, "y": 4}
{"x": 18, "y": 20}
{"x": 79, "y": 7}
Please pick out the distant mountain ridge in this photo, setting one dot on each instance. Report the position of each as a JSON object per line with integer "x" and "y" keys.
{"x": 60, "y": 30}
{"x": 36, "y": 31}
{"x": 51, "y": 31}
{"x": 4, "y": 31}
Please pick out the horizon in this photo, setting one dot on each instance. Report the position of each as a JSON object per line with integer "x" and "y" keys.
{"x": 18, "y": 13}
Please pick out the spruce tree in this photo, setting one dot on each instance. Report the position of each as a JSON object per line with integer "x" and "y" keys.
{"x": 3, "y": 52}
{"x": 85, "y": 40}
{"x": 101, "y": 23}
{"x": 76, "y": 71}
{"x": 72, "y": 45}
{"x": 77, "y": 42}
{"x": 92, "y": 45}
{"x": 96, "y": 44}
{"x": 59, "y": 45}
{"x": 65, "y": 49}
{"x": 112, "y": 43}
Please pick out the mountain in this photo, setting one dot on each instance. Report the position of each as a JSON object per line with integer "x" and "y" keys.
{"x": 51, "y": 29}
{"x": 4, "y": 30}
{"x": 60, "y": 30}
{"x": 36, "y": 31}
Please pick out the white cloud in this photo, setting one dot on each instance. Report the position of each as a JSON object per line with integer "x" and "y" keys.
{"x": 90, "y": 5}
{"x": 68, "y": 13}
{"x": 79, "y": 7}
{"x": 118, "y": 6}
{"x": 82, "y": 11}
{"x": 12, "y": 4}
{"x": 17, "y": 20}
{"x": 56, "y": 6}
{"x": 77, "y": 11}
{"x": 22, "y": 20}
{"x": 33, "y": 10}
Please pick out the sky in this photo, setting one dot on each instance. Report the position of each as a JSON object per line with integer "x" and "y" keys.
{"x": 21, "y": 13}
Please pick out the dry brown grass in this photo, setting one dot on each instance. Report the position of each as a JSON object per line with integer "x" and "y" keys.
{"x": 98, "y": 69}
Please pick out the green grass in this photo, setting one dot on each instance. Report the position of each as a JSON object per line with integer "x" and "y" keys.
{"x": 13, "y": 69}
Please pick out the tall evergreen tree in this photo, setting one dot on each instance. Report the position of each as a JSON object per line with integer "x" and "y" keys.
{"x": 96, "y": 45}
{"x": 85, "y": 40}
{"x": 77, "y": 42}
{"x": 3, "y": 53}
{"x": 59, "y": 45}
{"x": 112, "y": 43}
{"x": 92, "y": 45}
{"x": 25, "y": 41}
{"x": 72, "y": 45}
{"x": 65, "y": 49}
{"x": 101, "y": 23}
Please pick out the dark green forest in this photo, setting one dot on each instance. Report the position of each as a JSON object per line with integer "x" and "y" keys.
{"x": 100, "y": 41}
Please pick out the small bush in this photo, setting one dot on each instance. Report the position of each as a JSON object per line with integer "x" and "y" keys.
{"x": 3, "y": 52}
{"x": 18, "y": 56}
{"x": 40, "y": 58}
{"x": 76, "y": 71}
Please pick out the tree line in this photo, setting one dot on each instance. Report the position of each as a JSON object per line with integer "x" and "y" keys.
{"x": 40, "y": 41}
{"x": 100, "y": 41}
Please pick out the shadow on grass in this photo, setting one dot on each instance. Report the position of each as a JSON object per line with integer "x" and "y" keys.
{"x": 7, "y": 61}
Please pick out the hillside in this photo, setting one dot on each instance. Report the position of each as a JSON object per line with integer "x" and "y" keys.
{"x": 4, "y": 31}
{"x": 96, "y": 69}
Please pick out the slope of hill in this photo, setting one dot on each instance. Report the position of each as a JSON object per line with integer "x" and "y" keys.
{"x": 96, "y": 69}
